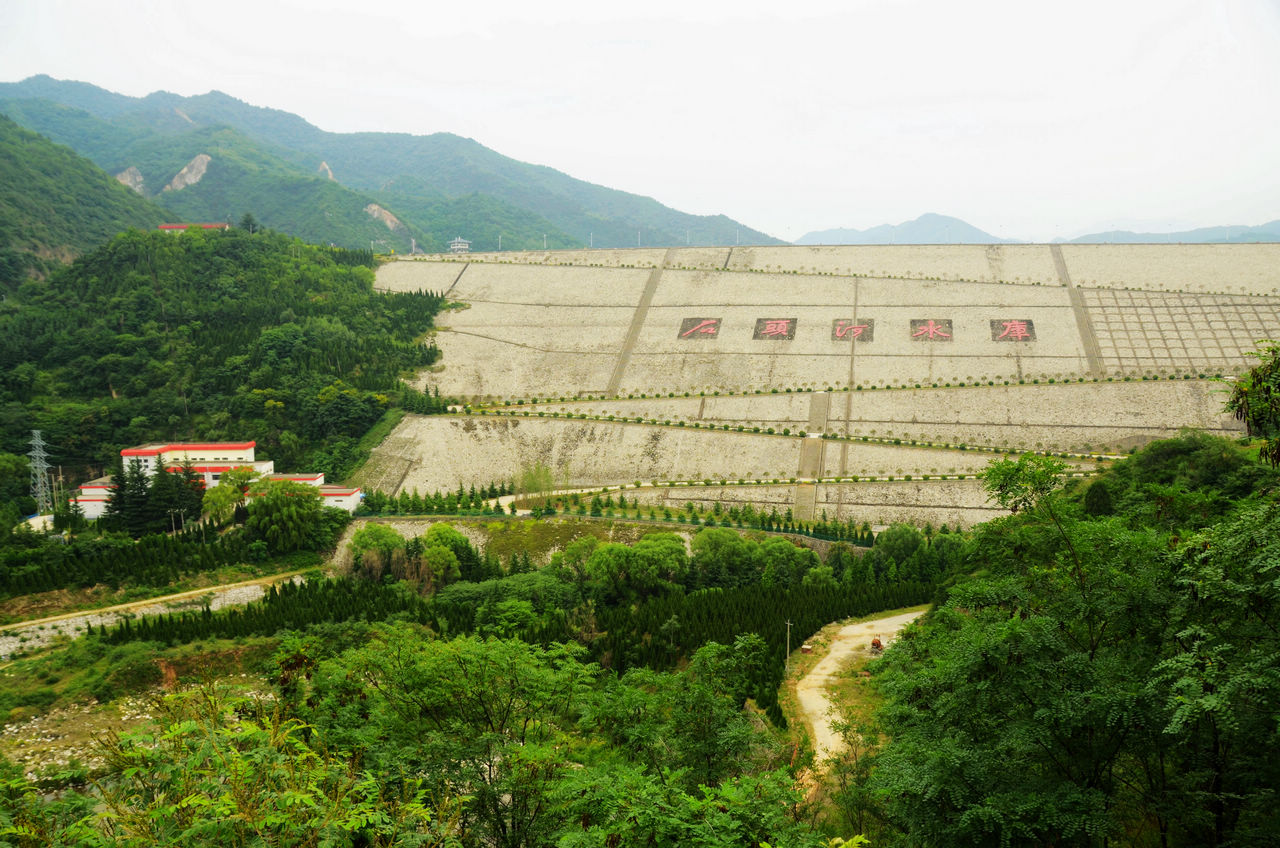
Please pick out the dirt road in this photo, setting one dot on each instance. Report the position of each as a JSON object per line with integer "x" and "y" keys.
{"x": 29, "y": 635}
{"x": 851, "y": 641}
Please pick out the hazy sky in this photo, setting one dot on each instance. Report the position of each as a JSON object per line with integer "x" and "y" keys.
{"x": 1028, "y": 119}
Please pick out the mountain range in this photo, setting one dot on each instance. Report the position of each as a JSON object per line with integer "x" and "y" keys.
{"x": 932, "y": 228}
{"x": 213, "y": 157}
{"x": 929, "y": 228}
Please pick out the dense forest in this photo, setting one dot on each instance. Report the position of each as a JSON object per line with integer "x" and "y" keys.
{"x": 225, "y": 335}
{"x": 55, "y": 205}
{"x": 438, "y": 696}
{"x": 1108, "y": 675}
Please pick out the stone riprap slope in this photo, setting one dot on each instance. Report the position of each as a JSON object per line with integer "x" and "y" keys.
{"x": 1062, "y": 348}
{"x": 1024, "y": 417}
{"x": 957, "y": 503}
{"x": 439, "y": 452}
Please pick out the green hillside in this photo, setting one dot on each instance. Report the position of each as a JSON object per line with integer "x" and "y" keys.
{"x": 437, "y": 164}
{"x": 278, "y": 186}
{"x": 480, "y": 218}
{"x": 244, "y": 176}
{"x": 55, "y": 204}
{"x": 209, "y": 335}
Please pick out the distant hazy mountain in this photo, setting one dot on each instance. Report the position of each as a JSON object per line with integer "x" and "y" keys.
{"x": 1231, "y": 234}
{"x": 462, "y": 187}
{"x": 942, "y": 229}
{"x": 55, "y": 204}
{"x": 927, "y": 229}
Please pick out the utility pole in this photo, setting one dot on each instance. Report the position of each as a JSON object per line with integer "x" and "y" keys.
{"x": 40, "y": 475}
{"x": 499, "y": 242}
{"x": 544, "y": 241}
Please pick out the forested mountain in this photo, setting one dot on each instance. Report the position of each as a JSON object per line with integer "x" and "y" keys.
{"x": 442, "y": 173}
{"x": 207, "y": 336}
{"x": 231, "y": 174}
{"x": 55, "y": 204}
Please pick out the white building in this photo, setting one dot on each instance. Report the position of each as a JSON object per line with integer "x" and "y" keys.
{"x": 210, "y": 460}
{"x": 93, "y": 497}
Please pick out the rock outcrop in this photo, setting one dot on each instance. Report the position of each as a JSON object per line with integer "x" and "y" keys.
{"x": 131, "y": 177}
{"x": 376, "y": 211}
{"x": 191, "y": 174}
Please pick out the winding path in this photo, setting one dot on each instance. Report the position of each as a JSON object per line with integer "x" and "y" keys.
{"x": 850, "y": 641}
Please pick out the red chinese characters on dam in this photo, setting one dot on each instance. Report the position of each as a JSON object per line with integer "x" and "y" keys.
{"x": 862, "y": 330}
{"x": 849, "y": 329}
{"x": 701, "y": 328}
{"x": 1013, "y": 330}
{"x": 931, "y": 329}
{"x": 778, "y": 329}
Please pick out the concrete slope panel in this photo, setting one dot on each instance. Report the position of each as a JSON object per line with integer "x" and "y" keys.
{"x": 612, "y": 258}
{"x": 541, "y": 329}
{"x": 875, "y": 291}
{"x": 715, "y": 288}
{"x": 1061, "y": 417}
{"x": 1229, "y": 268}
{"x": 956, "y": 503}
{"x": 992, "y": 263}
{"x": 476, "y": 366}
{"x": 443, "y": 451}
{"x": 520, "y": 285}
{"x": 408, "y": 275}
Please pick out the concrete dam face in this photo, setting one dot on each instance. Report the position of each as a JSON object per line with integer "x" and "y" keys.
{"x": 865, "y": 382}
